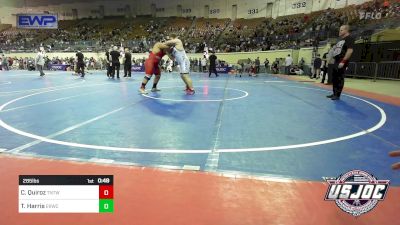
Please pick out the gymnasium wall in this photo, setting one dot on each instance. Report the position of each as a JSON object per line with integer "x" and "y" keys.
{"x": 5, "y": 15}
{"x": 271, "y": 55}
{"x": 306, "y": 53}
{"x": 231, "y": 58}
{"x": 189, "y": 8}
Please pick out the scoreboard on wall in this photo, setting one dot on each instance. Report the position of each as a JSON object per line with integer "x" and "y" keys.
{"x": 66, "y": 194}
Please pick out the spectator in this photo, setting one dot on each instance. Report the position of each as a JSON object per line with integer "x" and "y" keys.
{"x": 204, "y": 64}
{"x": 4, "y": 63}
{"x": 317, "y": 67}
{"x": 275, "y": 66}
{"x": 301, "y": 63}
{"x": 324, "y": 67}
{"x": 39, "y": 60}
{"x": 257, "y": 65}
{"x": 266, "y": 65}
{"x": 288, "y": 63}
{"x": 199, "y": 64}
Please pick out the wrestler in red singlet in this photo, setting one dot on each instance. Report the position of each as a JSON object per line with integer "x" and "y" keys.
{"x": 152, "y": 66}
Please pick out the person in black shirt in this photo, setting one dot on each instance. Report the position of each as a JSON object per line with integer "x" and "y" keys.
{"x": 266, "y": 65}
{"x": 317, "y": 67}
{"x": 127, "y": 63}
{"x": 108, "y": 61}
{"x": 115, "y": 64}
{"x": 341, "y": 53}
{"x": 257, "y": 63}
{"x": 212, "y": 68}
{"x": 324, "y": 68}
{"x": 80, "y": 64}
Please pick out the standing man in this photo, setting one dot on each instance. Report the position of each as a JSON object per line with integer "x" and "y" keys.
{"x": 302, "y": 63}
{"x": 179, "y": 53}
{"x": 203, "y": 64}
{"x": 115, "y": 64}
{"x": 266, "y": 64}
{"x": 324, "y": 67}
{"x": 341, "y": 53}
{"x": 199, "y": 61}
{"x": 212, "y": 67}
{"x": 4, "y": 62}
{"x": 80, "y": 64}
{"x": 331, "y": 63}
{"x": 127, "y": 63}
{"x": 317, "y": 67}
{"x": 39, "y": 60}
{"x": 108, "y": 62}
{"x": 257, "y": 62}
{"x": 288, "y": 63}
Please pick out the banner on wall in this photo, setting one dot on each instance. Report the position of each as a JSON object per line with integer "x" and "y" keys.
{"x": 370, "y": 15}
{"x": 137, "y": 68}
{"x": 60, "y": 67}
{"x": 37, "y": 21}
{"x": 223, "y": 69}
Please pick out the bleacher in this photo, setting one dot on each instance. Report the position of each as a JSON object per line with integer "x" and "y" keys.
{"x": 224, "y": 34}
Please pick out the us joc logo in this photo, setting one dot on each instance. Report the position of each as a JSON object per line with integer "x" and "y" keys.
{"x": 356, "y": 192}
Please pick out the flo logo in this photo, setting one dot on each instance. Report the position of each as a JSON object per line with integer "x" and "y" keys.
{"x": 356, "y": 192}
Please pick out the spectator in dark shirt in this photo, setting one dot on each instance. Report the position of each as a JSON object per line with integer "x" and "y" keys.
{"x": 317, "y": 67}
{"x": 108, "y": 61}
{"x": 266, "y": 64}
{"x": 257, "y": 64}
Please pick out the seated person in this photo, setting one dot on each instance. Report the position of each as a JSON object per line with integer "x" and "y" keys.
{"x": 252, "y": 71}
{"x": 274, "y": 68}
{"x": 296, "y": 70}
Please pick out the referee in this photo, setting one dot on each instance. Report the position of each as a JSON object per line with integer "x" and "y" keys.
{"x": 80, "y": 64}
{"x": 342, "y": 52}
{"x": 115, "y": 64}
{"x": 212, "y": 68}
{"x": 127, "y": 63}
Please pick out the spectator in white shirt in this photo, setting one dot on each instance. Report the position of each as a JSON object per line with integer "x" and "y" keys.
{"x": 39, "y": 60}
{"x": 288, "y": 63}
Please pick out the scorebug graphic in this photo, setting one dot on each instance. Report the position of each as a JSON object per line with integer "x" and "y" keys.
{"x": 356, "y": 192}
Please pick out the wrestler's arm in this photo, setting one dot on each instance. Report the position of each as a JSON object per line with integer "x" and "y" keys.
{"x": 172, "y": 42}
{"x": 168, "y": 53}
{"x": 163, "y": 46}
{"x": 159, "y": 47}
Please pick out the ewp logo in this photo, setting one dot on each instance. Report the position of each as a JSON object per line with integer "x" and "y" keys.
{"x": 45, "y": 21}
